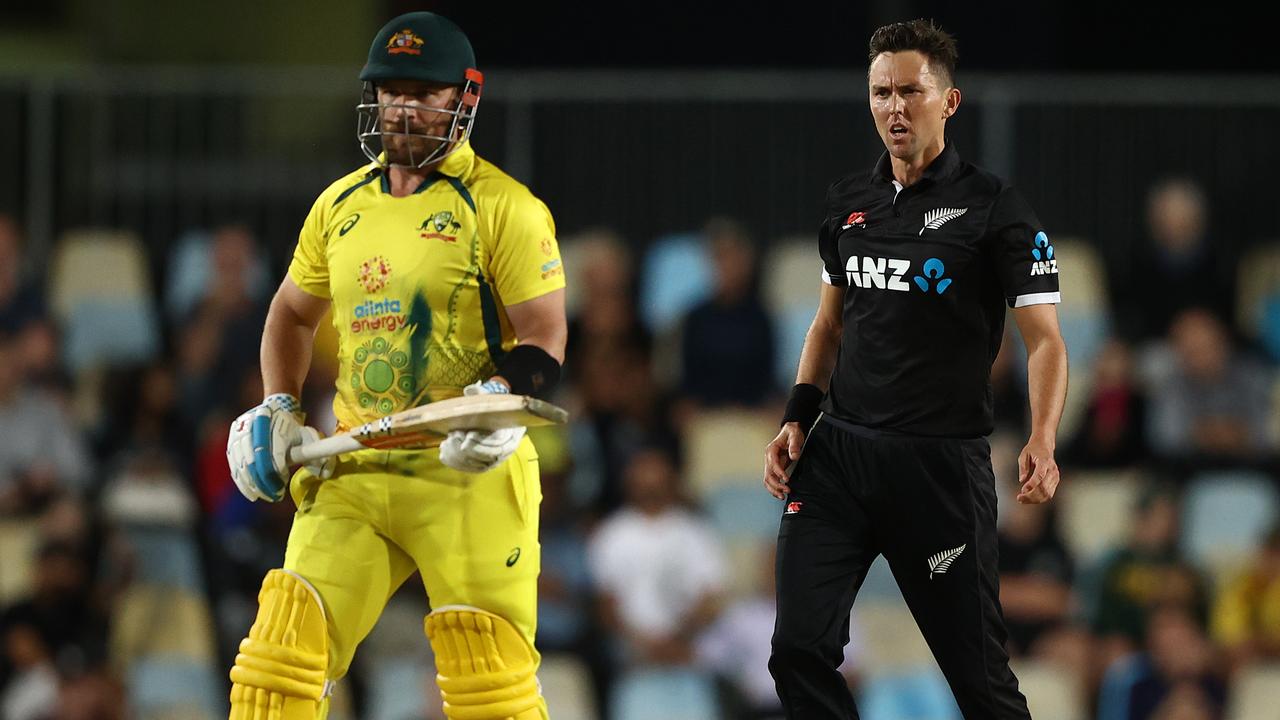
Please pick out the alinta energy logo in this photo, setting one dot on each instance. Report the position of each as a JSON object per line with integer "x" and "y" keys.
{"x": 374, "y": 273}
{"x": 379, "y": 313}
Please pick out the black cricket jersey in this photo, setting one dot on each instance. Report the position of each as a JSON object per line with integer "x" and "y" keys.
{"x": 928, "y": 271}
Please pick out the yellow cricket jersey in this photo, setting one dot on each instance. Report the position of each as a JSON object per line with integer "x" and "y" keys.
{"x": 420, "y": 284}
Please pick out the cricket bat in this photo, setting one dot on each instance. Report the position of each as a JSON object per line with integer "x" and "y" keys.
{"x": 435, "y": 420}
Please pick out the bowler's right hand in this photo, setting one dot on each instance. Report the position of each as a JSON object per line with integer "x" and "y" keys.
{"x": 778, "y": 457}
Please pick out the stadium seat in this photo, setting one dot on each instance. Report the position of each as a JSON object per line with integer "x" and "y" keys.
{"x": 1053, "y": 692}
{"x": 398, "y": 688}
{"x": 110, "y": 332}
{"x": 167, "y": 688}
{"x": 921, "y": 694}
{"x": 676, "y": 275}
{"x": 892, "y": 643}
{"x": 726, "y": 447}
{"x": 92, "y": 266}
{"x": 166, "y": 556}
{"x": 790, "y": 274}
{"x": 790, "y": 326}
{"x": 18, "y": 541}
{"x": 743, "y": 512}
{"x": 151, "y": 620}
{"x": 1257, "y": 281}
{"x": 1225, "y": 515}
{"x": 566, "y": 685}
{"x": 1083, "y": 281}
{"x": 99, "y": 289}
{"x": 1095, "y": 510}
{"x": 188, "y": 270}
{"x": 685, "y": 694}
{"x": 1255, "y": 693}
{"x": 879, "y": 586}
{"x": 1117, "y": 685}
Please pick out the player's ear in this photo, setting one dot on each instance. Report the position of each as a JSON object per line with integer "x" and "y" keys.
{"x": 952, "y": 102}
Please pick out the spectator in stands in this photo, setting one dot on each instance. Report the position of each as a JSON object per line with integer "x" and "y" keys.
{"x": 1173, "y": 678}
{"x": 738, "y": 644}
{"x": 62, "y": 609}
{"x": 1008, "y": 390}
{"x": 1113, "y": 433}
{"x": 1148, "y": 572}
{"x": 728, "y": 340}
{"x": 24, "y": 314}
{"x": 212, "y": 355}
{"x": 658, "y": 568}
{"x": 1036, "y": 572}
{"x": 1214, "y": 402}
{"x": 1177, "y": 268}
{"x": 1246, "y": 616}
{"x": 43, "y": 452}
{"x": 28, "y": 679}
{"x": 619, "y": 410}
{"x": 21, "y": 296}
{"x": 603, "y": 298}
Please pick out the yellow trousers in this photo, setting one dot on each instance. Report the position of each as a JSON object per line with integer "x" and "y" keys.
{"x": 357, "y": 536}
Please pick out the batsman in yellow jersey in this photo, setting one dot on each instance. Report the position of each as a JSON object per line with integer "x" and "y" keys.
{"x": 444, "y": 278}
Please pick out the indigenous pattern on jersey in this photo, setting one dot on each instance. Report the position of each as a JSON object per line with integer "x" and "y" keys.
{"x": 929, "y": 270}
{"x": 420, "y": 284}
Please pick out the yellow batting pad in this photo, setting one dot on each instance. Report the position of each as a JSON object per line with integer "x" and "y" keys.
{"x": 485, "y": 669}
{"x": 280, "y": 671}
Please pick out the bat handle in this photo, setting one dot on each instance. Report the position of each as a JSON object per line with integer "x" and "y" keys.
{"x": 323, "y": 448}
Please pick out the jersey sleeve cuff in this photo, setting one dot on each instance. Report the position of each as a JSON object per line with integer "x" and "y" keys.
{"x": 310, "y": 287}
{"x": 1044, "y": 298}
{"x": 833, "y": 280}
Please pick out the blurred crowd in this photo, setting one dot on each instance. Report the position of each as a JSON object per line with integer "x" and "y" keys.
{"x": 1148, "y": 589}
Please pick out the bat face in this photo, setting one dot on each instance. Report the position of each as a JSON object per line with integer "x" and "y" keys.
{"x": 433, "y": 421}
{"x": 477, "y": 412}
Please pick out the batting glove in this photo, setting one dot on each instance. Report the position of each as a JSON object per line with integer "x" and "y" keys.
{"x": 477, "y": 451}
{"x": 259, "y": 443}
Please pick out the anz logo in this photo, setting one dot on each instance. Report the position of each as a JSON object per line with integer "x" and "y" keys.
{"x": 882, "y": 273}
{"x": 871, "y": 273}
{"x": 1045, "y": 263}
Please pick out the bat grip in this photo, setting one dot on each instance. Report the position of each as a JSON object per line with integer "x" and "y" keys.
{"x": 323, "y": 448}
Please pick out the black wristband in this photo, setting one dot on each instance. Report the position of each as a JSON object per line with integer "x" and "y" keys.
{"x": 529, "y": 370}
{"x": 802, "y": 406}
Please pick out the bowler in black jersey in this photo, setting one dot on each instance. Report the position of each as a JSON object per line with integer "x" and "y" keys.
{"x": 883, "y": 444}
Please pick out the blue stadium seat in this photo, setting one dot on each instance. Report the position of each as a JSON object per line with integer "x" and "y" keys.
{"x": 1117, "y": 684}
{"x": 1226, "y": 514}
{"x": 676, "y": 275}
{"x": 398, "y": 689}
{"x": 166, "y": 556}
{"x": 566, "y": 684}
{"x": 165, "y": 687}
{"x": 743, "y": 511}
{"x": 790, "y": 325}
{"x": 920, "y": 695}
{"x": 685, "y": 694}
{"x": 117, "y": 331}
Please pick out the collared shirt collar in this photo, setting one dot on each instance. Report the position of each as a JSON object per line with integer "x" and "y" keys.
{"x": 458, "y": 165}
{"x": 942, "y": 167}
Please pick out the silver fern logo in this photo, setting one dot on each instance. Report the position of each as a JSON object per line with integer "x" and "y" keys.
{"x": 935, "y": 219}
{"x": 940, "y": 563}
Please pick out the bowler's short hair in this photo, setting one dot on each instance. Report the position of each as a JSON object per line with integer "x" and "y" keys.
{"x": 923, "y": 36}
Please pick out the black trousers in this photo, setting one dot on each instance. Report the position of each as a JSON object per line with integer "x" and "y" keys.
{"x": 929, "y": 506}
